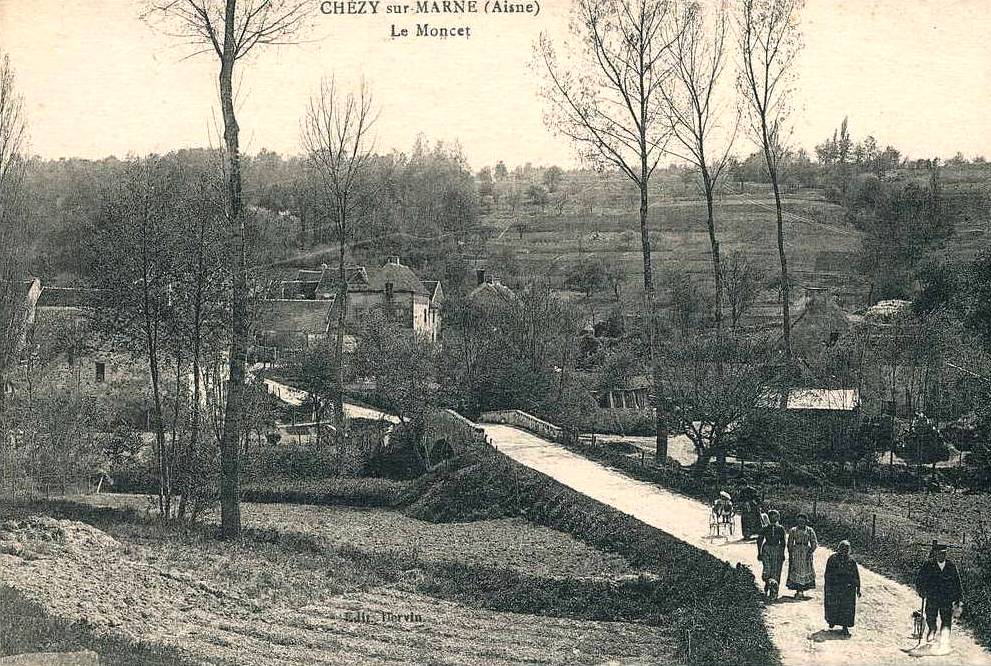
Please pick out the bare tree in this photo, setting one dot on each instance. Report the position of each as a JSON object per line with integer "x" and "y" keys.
{"x": 609, "y": 101}
{"x": 134, "y": 275}
{"x": 698, "y": 60}
{"x": 336, "y": 136}
{"x": 769, "y": 40}
{"x": 742, "y": 280}
{"x": 712, "y": 387}
{"x": 231, "y": 29}
{"x": 13, "y": 135}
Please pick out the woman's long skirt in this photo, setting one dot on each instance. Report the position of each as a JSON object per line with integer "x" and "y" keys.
{"x": 773, "y": 559}
{"x": 841, "y": 605}
{"x": 801, "y": 575}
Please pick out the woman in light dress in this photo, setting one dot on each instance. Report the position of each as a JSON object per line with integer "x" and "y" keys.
{"x": 802, "y": 544}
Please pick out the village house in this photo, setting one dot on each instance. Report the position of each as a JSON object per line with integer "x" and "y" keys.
{"x": 61, "y": 342}
{"x": 393, "y": 288}
{"x": 64, "y": 347}
{"x": 489, "y": 293}
{"x": 286, "y": 326}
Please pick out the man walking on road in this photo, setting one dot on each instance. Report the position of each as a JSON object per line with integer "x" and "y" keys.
{"x": 938, "y": 584}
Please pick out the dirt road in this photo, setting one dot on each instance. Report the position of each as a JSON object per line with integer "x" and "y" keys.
{"x": 797, "y": 627}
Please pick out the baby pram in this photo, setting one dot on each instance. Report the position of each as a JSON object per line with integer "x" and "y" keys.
{"x": 721, "y": 518}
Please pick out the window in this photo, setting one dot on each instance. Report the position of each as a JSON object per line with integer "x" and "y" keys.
{"x": 101, "y": 372}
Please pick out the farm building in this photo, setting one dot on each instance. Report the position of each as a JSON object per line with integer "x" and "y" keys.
{"x": 284, "y": 326}
{"x": 632, "y": 394}
{"x": 62, "y": 345}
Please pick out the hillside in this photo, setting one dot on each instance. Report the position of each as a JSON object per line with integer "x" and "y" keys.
{"x": 821, "y": 247}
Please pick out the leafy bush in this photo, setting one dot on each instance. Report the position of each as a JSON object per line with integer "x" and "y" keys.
{"x": 923, "y": 445}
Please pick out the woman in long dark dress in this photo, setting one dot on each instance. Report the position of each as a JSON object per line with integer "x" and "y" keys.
{"x": 771, "y": 553}
{"x": 842, "y": 589}
{"x": 750, "y": 524}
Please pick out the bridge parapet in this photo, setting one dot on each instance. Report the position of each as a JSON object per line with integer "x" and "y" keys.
{"x": 521, "y": 419}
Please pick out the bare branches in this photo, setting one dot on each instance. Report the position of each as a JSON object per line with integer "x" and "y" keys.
{"x": 13, "y": 133}
{"x": 255, "y": 22}
{"x": 608, "y": 98}
{"x": 697, "y": 119}
{"x": 769, "y": 41}
{"x": 336, "y": 134}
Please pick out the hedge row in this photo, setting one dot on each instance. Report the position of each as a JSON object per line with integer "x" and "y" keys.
{"x": 715, "y": 609}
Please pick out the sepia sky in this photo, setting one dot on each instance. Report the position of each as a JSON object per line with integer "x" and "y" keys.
{"x": 98, "y": 81}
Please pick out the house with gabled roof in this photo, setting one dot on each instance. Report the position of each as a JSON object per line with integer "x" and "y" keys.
{"x": 394, "y": 288}
{"x": 303, "y": 311}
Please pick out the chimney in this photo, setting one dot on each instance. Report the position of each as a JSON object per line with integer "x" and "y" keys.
{"x": 393, "y": 260}
{"x": 480, "y": 274}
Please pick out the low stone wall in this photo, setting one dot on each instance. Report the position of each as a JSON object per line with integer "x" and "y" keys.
{"x": 521, "y": 419}
{"x": 449, "y": 426}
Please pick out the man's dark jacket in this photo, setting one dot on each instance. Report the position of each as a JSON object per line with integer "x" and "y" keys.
{"x": 940, "y": 588}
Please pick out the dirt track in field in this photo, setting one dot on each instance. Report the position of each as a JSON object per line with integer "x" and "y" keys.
{"x": 797, "y": 627}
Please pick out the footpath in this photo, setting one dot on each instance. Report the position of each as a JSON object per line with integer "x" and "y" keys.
{"x": 798, "y": 628}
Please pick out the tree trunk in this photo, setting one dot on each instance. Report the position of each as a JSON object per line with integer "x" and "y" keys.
{"x": 650, "y": 319}
{"x": 230, "y": 509}
{"x": 717, "y": 273}
{"x": 342, "y": 313}
{"x": 785, "y": 281}
{"x": 189, "y": 459}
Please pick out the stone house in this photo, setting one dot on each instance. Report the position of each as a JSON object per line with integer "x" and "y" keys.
{"x": 62, "y": 340}
{"x": 393, "y": 288}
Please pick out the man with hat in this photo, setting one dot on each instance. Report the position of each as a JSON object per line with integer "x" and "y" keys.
{"x": 938, "y": 583}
